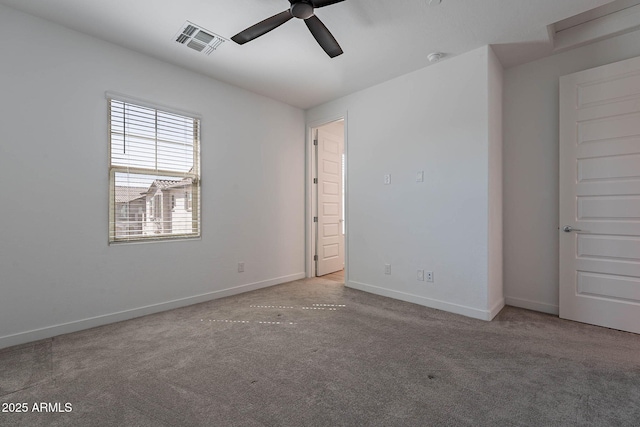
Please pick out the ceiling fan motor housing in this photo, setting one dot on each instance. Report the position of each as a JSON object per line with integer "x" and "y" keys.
{"x": 302, "y": 10}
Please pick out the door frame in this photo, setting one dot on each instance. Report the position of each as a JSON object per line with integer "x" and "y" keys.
{"x": 311, "y": 198}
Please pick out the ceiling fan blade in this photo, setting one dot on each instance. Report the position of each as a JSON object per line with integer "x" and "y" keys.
{"x": 323, "y": 36}
{"x": 262, "y": 27}
{"x": 323, "y": 3}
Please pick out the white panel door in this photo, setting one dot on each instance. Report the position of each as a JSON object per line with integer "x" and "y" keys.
{"x": 330, "y": 241}
{"x": 600, "y": 196}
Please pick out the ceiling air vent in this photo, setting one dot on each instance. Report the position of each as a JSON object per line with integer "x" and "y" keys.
{"x": 198, "y": 39}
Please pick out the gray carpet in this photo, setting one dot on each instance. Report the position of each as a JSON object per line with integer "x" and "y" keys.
{"x": 313, "y": 353}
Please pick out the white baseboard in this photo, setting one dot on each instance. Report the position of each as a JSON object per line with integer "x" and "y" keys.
{"x": 427, "y": 302}
{"x": 533, "y": 305}
{"x": 496, "y": 308}
{"x": 92, "y": 322}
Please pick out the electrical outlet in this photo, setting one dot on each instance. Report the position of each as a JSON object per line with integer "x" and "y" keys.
{"x": 387, "y": 269}
{"x": 421, "y": 275}
{"x": 387, "y": 179}
{"x": 429, "y": 276}
{"x": 241, "y": 267}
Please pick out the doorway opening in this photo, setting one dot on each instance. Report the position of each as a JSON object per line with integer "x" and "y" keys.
{"x": 328, "y": 201}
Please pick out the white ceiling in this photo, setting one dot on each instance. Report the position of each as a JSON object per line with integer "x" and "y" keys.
{"x": 381, "y": 39}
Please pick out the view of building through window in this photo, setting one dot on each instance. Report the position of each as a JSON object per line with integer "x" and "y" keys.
{"x": 154, "y": 167}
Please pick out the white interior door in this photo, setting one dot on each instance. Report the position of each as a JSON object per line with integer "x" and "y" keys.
{"x": 330, "y": 240}
{"x": 600, "y": 196}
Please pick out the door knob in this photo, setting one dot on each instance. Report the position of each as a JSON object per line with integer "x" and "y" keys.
{"x": 569, "y": 229}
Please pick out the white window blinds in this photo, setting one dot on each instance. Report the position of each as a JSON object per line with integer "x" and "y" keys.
{"x": 154, "y": 173}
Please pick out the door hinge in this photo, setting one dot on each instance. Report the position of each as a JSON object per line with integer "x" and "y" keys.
{"x": 315, "y": 257}
{"x": 315, "y": 219}
{"x": 315, "y": 142}
{"x": 315, "y": 180}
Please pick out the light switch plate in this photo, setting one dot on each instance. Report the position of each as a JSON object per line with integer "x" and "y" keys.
{"x": 420, "y": 176}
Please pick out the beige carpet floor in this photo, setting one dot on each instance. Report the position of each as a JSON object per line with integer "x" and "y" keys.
{"x": 314, "y": 353}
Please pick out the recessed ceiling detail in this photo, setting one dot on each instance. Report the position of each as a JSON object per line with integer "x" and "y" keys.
{"x": 198, "y": 39}
{"x": 609, "y": 20}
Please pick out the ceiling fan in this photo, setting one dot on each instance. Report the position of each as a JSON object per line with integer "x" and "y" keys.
{"x": 301, "y": 9}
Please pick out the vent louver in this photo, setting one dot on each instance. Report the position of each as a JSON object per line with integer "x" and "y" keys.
{"x": 198, "y": 39}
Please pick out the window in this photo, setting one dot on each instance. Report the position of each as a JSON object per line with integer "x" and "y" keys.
{"x": 124, "y": 211}
{"x": 153, "y": 156}
{"x": 187, "y": 201}
{"x": 157, "y": 204}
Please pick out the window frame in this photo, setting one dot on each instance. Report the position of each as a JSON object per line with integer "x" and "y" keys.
{"x": 193, "y": 175}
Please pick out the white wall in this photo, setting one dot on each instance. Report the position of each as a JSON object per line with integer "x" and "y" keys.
{"x": 438, "y": 120}
{"x": 57, "y": 272}
{"x": 531, "y": 168}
